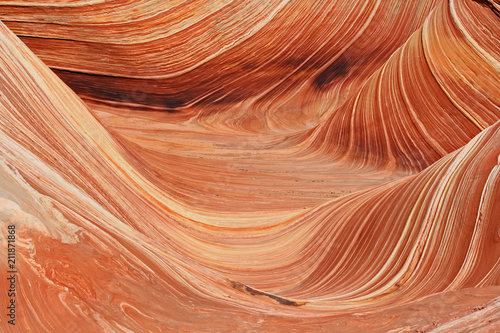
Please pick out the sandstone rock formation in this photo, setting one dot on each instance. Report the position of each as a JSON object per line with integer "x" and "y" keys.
{"x": 251, "y": 166}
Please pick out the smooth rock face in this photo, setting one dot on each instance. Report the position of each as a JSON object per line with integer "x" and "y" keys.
{"x": 251, "y": 166}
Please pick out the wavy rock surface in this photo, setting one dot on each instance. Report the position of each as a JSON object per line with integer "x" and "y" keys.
{"x": 431, "y": 97}
{"x": 288, "y": 62}
{"x": 342, "y": 177}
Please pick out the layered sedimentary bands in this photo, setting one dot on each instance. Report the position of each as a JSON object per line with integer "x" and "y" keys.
{"x": 250, "y": 166}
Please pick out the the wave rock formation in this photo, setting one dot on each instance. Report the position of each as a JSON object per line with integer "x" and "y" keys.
{"x": 251, "y": 166}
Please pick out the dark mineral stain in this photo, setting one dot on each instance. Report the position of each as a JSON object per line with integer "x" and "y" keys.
{"x": 158, "y": 94}
{"x": 335, "y": 70}
{"x": 125, "y": 90}
{"x": 174, "y": 102}
{"x": 251, "y": 291}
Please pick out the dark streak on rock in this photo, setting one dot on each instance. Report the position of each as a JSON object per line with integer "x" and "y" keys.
{"x": 251, "y": 291}
{"x": 335, "y": 70}
{"x": 159, "y": 94}
{"x": 123, "y": 90}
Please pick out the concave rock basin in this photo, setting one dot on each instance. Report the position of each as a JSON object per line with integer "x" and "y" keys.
{"x": 250, "y": 166}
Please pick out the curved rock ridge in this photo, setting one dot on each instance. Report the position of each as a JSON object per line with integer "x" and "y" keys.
{"x": 218, "y": 55}
{"x": 371, "y": 207}
{"x": 431, "y": 97}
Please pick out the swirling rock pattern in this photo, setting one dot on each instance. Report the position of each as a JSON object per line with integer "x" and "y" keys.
{"x": 239, "y": 166}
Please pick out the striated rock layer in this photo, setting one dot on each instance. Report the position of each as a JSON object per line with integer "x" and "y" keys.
{"x": 237, "y": 166}
{"x": 431, "y": 97}
{"x": 288, "y": 62}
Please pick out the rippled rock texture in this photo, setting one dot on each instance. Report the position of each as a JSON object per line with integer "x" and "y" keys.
{"x": 251, "y": 166}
